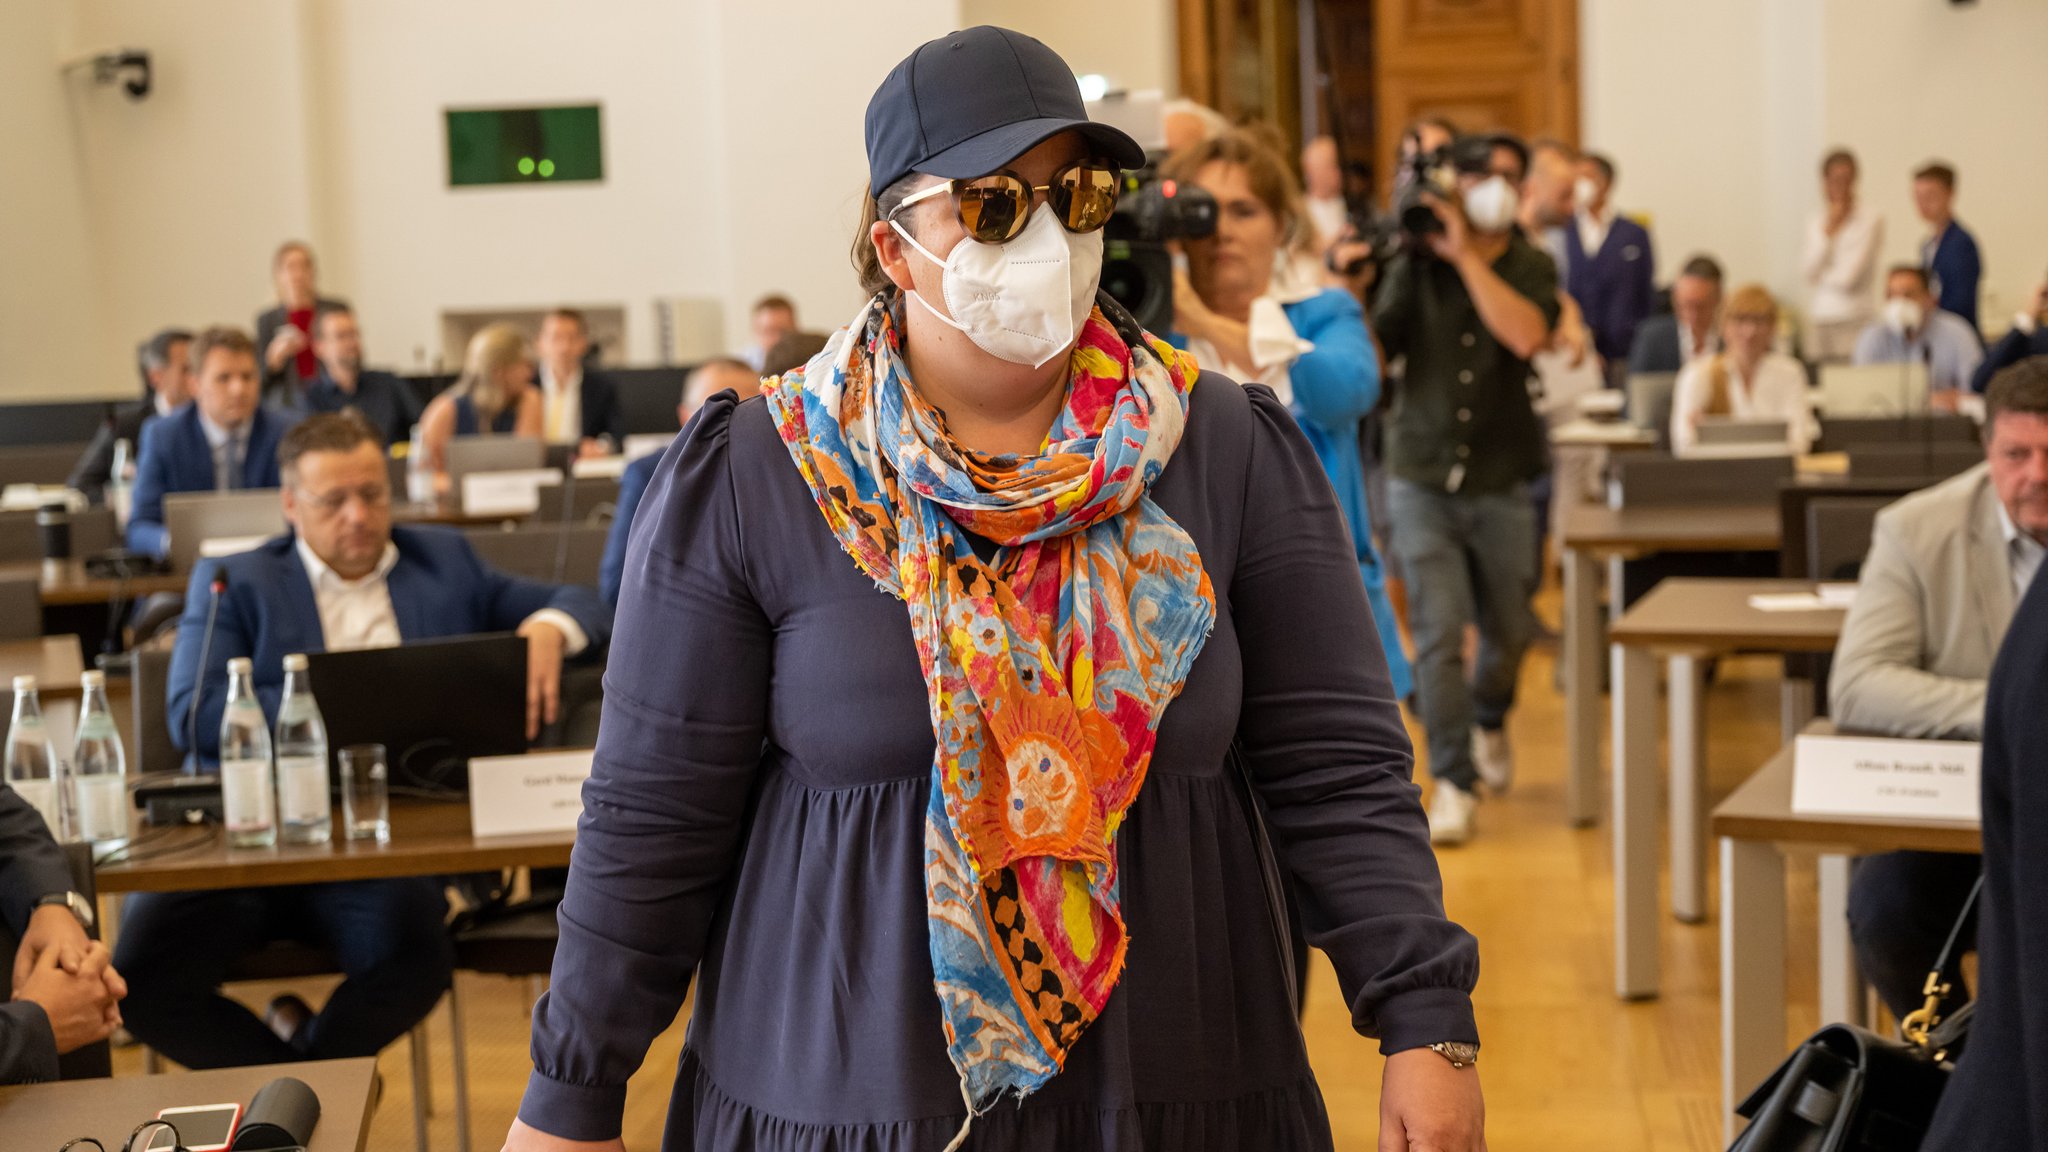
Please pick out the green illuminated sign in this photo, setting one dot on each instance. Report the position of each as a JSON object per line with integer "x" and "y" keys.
{"x": 525, "y": 145}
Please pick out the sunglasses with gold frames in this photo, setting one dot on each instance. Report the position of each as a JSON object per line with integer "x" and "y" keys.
{"x": 995, "y": 208}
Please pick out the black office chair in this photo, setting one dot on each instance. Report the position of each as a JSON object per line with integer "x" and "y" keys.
{"x": 502, "y": 937}
{"x": 1668, "y": 481}
{"x": 21, "y": 608}
{"x": 540, "y": 552}
{"x": 1930, "y": 460}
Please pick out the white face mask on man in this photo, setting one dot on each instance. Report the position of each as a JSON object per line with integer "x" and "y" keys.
{"x": 1024, "y": 301}
{"x": 1490, "y": 204}
{"x": 1902, "y": 315}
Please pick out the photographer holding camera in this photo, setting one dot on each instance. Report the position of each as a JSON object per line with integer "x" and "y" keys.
{"x": 1251, "y": 305}
{"x": 1468, "y": 301}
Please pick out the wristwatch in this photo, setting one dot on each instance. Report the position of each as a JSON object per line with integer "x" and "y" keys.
{"x": 1460, "y": 1055}
{"x": 78, "y": 905}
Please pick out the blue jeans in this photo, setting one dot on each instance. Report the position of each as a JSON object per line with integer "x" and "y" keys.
{"x": 1467, "y": 560}
{"x": 388, "y": 937}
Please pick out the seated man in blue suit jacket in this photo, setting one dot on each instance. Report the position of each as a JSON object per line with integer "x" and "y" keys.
{"x": 2027, "y": 338}
{"x": 579, "y": 408}
{"x": 708, "y": 379}
{"x": 345, "y": 578}
{"x": 221, "y": 441}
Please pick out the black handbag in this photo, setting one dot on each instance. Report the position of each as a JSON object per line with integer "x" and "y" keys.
{"x": 1847, "y": 1089}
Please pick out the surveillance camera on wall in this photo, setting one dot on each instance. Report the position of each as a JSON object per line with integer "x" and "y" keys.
{"x": 128, "y": 67}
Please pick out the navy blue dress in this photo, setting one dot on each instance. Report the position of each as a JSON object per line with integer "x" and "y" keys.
{"x": 467, "y": 424}
{"x": 1997, "y": 1101}
{"x": 756, "y": 815}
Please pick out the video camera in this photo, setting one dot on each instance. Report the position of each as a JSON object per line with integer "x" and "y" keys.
{"x": 1137, "y": 270}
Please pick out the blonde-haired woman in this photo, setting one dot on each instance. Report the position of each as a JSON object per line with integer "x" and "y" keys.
{"x": 1746, "y": 380}
{"x": 493, "y": 396}
{"x": 1253, "y": 306}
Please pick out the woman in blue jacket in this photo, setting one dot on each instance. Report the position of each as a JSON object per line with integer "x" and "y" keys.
{"x": 1251, "y": 303}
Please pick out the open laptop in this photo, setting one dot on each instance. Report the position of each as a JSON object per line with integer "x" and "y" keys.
{"x": 467, "y": 454}
{"x": 192, "y": 518}
{"x": 1873, "y": 389}
{"x": 432, "y": 704}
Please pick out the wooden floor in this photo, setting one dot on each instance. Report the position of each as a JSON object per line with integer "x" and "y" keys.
{"x": 1566, "y": 1065}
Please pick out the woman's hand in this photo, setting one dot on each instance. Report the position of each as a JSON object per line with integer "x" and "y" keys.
{"x": 524, "y": 1139}
{"x": 1428, "y": 1106}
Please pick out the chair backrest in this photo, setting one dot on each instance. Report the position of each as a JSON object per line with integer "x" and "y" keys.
{"x": 1666, "y": 481}
{"x": 1649, "y": 401}
{"x": 535, "y": 552}
{"x": 1931, "y": 461}
{"x": 38, "y": 463}
{"x": 153, "y": 749}
{"x": 1838, "y": 531}
{"x": 21, "y": 608}
{"x": 587, "y": 497}
{"x": 1845, "y": 433}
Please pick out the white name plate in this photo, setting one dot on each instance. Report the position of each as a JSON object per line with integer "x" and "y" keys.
{"x": 1869, "y": 776}
{"x": 522, "y": 795}
{"x": 506, "y": 493}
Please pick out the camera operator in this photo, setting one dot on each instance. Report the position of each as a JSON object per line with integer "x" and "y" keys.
{"x": 1251, "y": 305}
{"x": 1467, "y": 302}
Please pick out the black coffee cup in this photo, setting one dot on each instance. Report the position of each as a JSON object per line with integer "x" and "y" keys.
{"x": 53, "y": 524}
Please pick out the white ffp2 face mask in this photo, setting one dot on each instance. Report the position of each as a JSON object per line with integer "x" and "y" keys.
{"x": 1490, "y": 204}
{"x": 1902, "y": 315}
{"x": 1024, "y": 301}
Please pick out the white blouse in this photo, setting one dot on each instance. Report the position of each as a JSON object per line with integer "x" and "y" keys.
{"x": 1841, "y": 269}
{"x": 1778, "y": 391}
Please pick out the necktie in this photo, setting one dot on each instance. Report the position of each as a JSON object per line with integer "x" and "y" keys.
{"x": 557, "y": 406}
{"x": 235, "y": 452}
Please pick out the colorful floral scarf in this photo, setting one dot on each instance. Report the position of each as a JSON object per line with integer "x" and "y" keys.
{"x": 1047, "y": 667}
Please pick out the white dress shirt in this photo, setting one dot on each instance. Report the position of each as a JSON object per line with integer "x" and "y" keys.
{"x": 359, "y": 614}
{"x": 1593, "y": 231}
{"x": 562, "y": 407}
{"x": 1777, "y": 392}
{"x": 2024, "y": 551}
{"x": 353, "y": 613}
{"x": 1841, "y": 268}
{"x": 1329, "y": 215}
{"x": 1691, "y": 347}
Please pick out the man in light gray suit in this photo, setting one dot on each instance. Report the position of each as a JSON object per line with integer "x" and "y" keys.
{"x": 1946, "y": 567}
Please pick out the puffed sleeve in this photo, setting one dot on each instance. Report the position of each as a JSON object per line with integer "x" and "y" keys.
{"x": 686, "y": 694}
{"x": 1323, "y": 739}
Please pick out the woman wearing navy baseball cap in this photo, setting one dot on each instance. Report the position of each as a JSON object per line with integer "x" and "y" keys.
{"x": 977, "y": 693}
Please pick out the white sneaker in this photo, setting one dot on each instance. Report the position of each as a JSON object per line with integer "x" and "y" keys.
{"x": 1495, "y": 759}
{"x": 1450, "y": 814}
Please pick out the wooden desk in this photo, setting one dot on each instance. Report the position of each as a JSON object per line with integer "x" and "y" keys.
{"x": 1756, "y": 826}
{"x": 1685, "y": 622}
{"x": 41, "y": 1117}
{"x": 427, "y": 839}
{"x": 1590, "y": 534}
{"x": 69, "y": 585}
{"x": 55, "y": 662}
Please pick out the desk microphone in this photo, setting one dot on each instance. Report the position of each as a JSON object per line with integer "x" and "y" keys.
{"x": 219, "y": 586}
{"x": 568, "y": 513}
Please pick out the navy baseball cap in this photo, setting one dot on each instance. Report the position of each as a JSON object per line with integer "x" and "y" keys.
{"x": 966, "y": 104}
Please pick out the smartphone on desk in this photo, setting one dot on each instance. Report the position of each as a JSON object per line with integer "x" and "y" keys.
{"x": 201, "y": 1128}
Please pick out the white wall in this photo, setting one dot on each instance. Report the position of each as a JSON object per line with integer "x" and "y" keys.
{"x": 52, "y": 338}
{"x": 1128, "y": 42}
{"x": 733, "y": 152}
{"x": 1966, "y": 85}
{"x": 1718, "y": 115}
